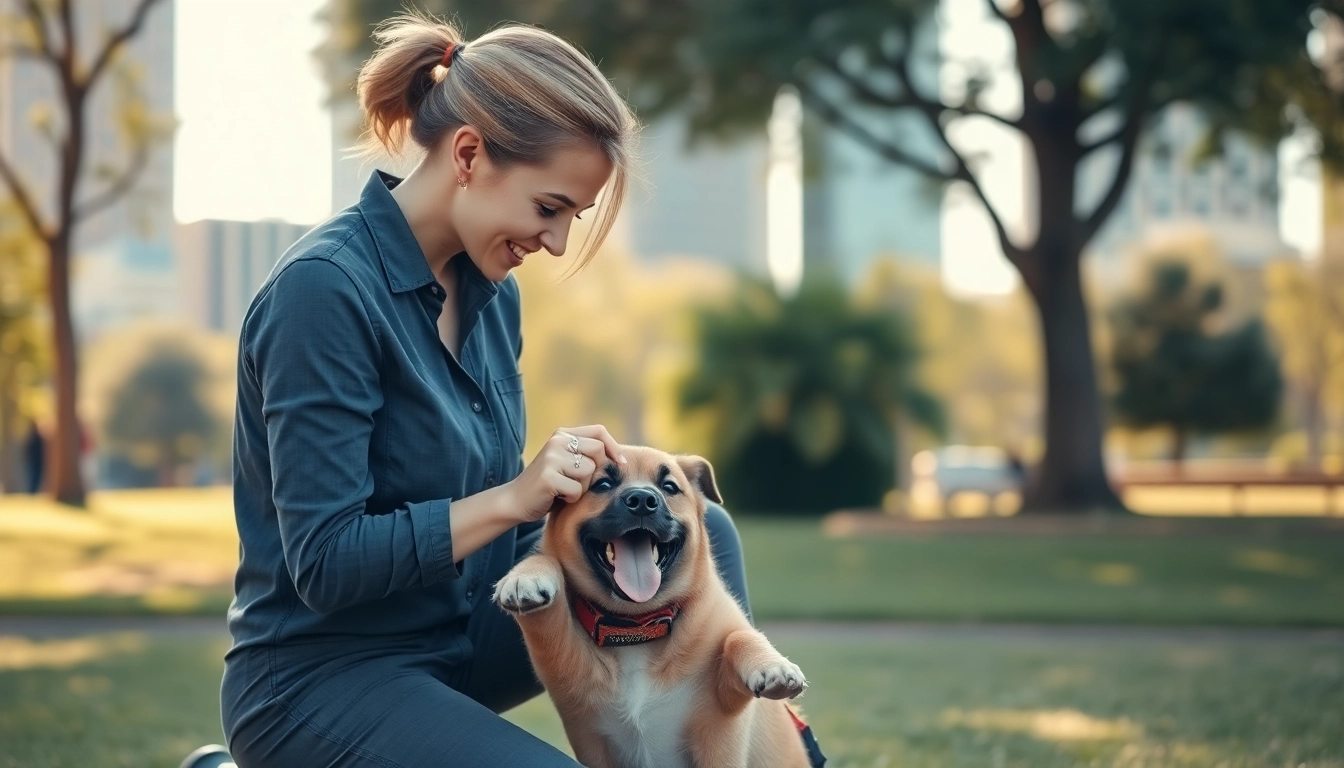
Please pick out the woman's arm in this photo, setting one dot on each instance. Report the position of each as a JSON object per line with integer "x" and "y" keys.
{"x": 314, "y": 352}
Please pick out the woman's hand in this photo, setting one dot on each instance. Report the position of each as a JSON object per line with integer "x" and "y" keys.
{"x": 558, "y": 474}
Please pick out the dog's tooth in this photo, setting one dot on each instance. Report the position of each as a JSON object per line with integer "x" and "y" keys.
{"x": 611, "y": 553}
{"x": 655, "y": 550}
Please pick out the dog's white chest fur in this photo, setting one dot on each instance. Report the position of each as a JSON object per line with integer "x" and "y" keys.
{"x": 645, "y": 725}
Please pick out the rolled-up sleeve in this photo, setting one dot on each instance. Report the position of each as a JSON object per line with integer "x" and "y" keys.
{"x": 314, "y": 351}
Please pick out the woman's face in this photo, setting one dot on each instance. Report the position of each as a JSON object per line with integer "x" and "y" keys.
{"x": 506, "y": 215}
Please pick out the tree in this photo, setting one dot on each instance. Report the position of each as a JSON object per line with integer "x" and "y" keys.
{"x": 606, "y": 339}
{"x": 23, "y": 359}
{"x": 1176, "y": 368}
{"x": 46, "y": 31}
{"x": 1091, "y": 73}
{"x": 805, "y": 393}
{"x": 160, "y": 417}
{"x": 1305, "y": 309}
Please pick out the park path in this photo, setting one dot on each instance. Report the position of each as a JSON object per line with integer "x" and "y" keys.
{"x": 839, "y": 632}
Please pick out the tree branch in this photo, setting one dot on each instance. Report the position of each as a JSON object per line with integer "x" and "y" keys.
{"x": 932, "y": 113}
{"x": 39, "y": 22}
{"x": 1128, "y": 136}
{"x": 1119, "y": 133}
{"x": 834, "y": 115}
{"x": 909, "y": 99}
{"x": 23, "y": 198}
{"x": 120, "y": 186}
{"x": 20, "y": 51}
{"x": 118, "y": 39}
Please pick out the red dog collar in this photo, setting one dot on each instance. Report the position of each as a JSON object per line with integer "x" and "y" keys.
{"x": 608, "y": 629}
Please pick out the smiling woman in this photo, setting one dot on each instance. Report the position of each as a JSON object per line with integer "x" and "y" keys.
{"x": 380, "y": 489}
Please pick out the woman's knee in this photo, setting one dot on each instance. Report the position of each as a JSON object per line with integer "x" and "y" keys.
{"x": 721, "y": 527}
{"x": 726, "y": 546}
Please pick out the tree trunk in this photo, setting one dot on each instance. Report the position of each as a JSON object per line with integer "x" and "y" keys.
{"x": 63, "y": 450}
{"x": 1313, "y": 418}
{"x": 9, "y": 447}
{"x": 1071, "y": 477}
{"x": 1179, "y": 440}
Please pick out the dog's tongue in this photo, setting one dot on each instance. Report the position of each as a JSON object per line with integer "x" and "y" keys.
{"x": 636, "y": 573}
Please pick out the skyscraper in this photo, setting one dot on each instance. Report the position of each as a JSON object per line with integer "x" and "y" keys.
{"x": 1234, "y": 198}
{"x": 222, "y": 264}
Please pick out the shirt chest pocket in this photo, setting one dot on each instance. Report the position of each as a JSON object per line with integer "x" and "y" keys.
{"x": 510, "y": 392}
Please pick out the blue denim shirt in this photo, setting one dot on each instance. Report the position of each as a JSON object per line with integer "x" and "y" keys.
{"x": 356, "y": 429}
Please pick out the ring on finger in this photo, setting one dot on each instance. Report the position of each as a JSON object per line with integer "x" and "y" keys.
{"x": 573, "y": 444}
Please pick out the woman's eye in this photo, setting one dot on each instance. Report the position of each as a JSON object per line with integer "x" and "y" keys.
{"x": 671, "y": 487}
{"x": 548, "y": 213}
{"x": 602, "y": 485}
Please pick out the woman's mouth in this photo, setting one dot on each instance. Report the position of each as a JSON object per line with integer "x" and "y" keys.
{"x": 516, "y": 253}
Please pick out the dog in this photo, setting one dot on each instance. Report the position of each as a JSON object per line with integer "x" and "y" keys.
{"x": 649, "y": 660}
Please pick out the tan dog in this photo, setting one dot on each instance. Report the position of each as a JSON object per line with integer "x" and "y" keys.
{"x": 650, "y": 661}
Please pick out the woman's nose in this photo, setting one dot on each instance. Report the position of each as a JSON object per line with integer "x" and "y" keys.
{"x": 554, "y": 240}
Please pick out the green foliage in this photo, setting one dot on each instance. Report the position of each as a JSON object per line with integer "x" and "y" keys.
{"x": 160, "y": 417}
{"x": 1175, "y": 368}
{"x": 804, "y": 393}
{"x": 722, "y": 61}
{"x": 24, "y": 359}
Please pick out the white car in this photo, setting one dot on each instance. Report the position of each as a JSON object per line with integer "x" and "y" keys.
{"x": 965, "y": 481}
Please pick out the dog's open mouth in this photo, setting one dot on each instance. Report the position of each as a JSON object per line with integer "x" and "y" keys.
{"x": 635, "y": 562}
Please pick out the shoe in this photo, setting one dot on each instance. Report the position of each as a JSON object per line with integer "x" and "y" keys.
{"x": 209, "y": 756}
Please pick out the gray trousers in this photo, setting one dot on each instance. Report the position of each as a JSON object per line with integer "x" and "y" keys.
{"x": 408, "y": 711}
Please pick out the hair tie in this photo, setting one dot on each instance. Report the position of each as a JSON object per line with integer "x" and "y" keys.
{"x": 448, "y": 53}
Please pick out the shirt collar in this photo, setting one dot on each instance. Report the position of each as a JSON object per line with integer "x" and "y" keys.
{"x": 404, "y": 264}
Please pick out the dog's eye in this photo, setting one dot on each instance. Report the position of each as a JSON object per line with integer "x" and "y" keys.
{"x": 671, "y": 487}
{"x": 603, "y": 484}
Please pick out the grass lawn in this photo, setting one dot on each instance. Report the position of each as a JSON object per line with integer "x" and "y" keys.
{"x": 174, "y": 551}
{"x": 793, "y": 573}
{"x": 974, "y": 697}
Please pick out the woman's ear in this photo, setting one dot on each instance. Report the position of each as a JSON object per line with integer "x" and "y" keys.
{"x": 467, "y": 150}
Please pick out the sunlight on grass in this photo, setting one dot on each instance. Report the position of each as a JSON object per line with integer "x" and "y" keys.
{"x": 1113, "y": 574}
{"x": 1046, "y": 725}
{"x": 23, "y": 653}
{"x": 168, "y": 548}
{"x": 1278, "y": 563}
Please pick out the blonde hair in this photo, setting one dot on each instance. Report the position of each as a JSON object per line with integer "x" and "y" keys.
{"x": 527, "y": 91}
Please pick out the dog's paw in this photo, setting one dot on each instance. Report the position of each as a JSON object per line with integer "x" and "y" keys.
{"x": 525, "y": 592}
{"x": 779, "y": 680}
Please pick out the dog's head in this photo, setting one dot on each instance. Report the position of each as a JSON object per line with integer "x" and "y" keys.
{"x": 636, "y": 541}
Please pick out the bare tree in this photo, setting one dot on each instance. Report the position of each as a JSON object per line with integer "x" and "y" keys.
{"x": 46, "y": 32}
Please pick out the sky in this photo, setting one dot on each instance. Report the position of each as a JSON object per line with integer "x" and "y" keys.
{"x": 255, "y": 140}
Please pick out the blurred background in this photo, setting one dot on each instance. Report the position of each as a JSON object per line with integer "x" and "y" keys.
{"x": 1014, "y": 330}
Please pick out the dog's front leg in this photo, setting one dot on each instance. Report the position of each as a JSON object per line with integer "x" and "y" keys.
{"x": 752, "y": 668}
{"x": 534, "y": 592}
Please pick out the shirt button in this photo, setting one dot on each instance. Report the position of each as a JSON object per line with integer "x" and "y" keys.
{"x": 437, "y": 291}
{"x": 489, "y": 481}
{"x": 470, "y": 594}
{"x": 476, "y": 406}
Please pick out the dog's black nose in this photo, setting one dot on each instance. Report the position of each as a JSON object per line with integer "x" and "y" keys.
{"x": 640, "y": 501}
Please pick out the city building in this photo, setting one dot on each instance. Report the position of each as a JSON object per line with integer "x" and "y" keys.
{"x": 221, "y": 264}
{"x": 1234, "y": 198}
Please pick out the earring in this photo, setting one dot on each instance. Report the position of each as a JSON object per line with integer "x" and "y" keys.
{"x": 461, "y": 182}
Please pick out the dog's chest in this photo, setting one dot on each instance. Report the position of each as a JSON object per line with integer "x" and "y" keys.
{"x": 645, "y": 724}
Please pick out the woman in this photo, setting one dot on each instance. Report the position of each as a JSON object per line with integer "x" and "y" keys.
{"x": 379, "y": 485}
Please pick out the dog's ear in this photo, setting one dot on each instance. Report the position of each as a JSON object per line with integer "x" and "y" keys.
{"x": 701, "y": 475}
